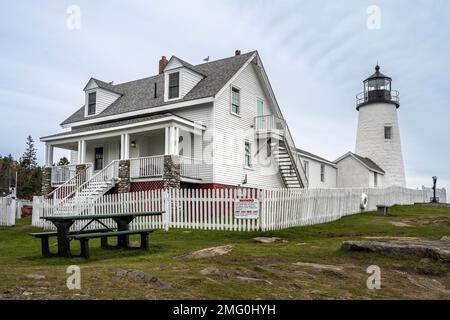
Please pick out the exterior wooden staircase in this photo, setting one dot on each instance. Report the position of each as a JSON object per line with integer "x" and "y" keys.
{"x": 84, "y": 189}
{"x": 274, "y": 130}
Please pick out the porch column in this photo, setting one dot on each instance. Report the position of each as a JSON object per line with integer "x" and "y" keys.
{"x": 171, "y": 172}
{"x": 49, "y": 150}
{"x": 172, "y": 136}
{"x": 125, "y": 146}
{"x": 176, "y": 141}
{"x": 81, "y": 152}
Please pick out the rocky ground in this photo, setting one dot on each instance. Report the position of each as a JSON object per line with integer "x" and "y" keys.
{"x": 298, "y": 263}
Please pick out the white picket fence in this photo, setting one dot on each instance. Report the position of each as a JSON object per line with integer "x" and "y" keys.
{"x": 7, "y": 211}
{"x": 213, "y": 209}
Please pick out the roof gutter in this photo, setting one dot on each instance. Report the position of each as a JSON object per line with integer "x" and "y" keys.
{"x": 145, "y": 111}
{"x": 132, "y": 125}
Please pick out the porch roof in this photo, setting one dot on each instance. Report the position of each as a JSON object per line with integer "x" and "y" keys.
{"x": 121, "y": 124}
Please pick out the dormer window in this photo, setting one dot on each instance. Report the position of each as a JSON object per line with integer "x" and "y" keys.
{"x": 92, "y": 99}
{"x": 174, "y": 85}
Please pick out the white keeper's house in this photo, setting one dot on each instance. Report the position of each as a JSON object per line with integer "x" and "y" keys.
{"x": 212, "y": 125}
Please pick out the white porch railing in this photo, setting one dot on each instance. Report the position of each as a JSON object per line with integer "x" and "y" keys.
{"x": 269, "y": 123}
{"x": 147, "y": 167}
{"x": 189, "y": 167}
{"x": 61, "y": 174}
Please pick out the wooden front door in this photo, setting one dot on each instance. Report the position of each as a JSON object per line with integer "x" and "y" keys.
{"x": 98, "y": 159}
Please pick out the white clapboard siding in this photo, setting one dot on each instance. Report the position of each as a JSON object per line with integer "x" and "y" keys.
{"x": 213, "y": 209}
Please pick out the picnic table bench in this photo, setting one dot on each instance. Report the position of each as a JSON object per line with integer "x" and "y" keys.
{"x": 84, "y": 239}
{"x": 64, "y": 235}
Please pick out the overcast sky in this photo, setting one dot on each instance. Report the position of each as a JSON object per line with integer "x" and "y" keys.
{"x": 316, "y": 54}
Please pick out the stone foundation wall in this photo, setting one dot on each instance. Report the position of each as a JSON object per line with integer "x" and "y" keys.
{"x": 171, "y": 174}
{"x": 124, "y": 176}
{"x": 46, "y": 182}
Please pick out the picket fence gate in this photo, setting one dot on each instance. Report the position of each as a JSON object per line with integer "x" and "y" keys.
{"x": 7, "y": 211}
{"x": 214, "y": 209}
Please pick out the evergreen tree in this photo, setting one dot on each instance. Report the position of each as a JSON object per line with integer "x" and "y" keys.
{"x": 29, "y": 173}
{"x": 29, "y": 157}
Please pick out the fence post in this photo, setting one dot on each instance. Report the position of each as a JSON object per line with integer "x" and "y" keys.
{"x": 12, "y": 212}
{"x": 166, "y": 205}
{"x": 262, "y": 210}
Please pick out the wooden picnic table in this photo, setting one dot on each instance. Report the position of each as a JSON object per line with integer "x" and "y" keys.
{"x": 123, "y": 220}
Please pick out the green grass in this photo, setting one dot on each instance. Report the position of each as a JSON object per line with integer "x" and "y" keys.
{"x": 20, "y": 255}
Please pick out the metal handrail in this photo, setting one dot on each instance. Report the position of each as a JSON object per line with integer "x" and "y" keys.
{"x": 378, "y": 96}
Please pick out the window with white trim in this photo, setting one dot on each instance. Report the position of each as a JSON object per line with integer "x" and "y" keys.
{"x": 247, "y": 154}
{"x": 235, "y": 100}
{"x": 306, "y": 164}
{"x": 375, "y": 179}
{"x": 322, "y": 173}
{"x": 92, "y": 102}
{"x": 174, "y": 85}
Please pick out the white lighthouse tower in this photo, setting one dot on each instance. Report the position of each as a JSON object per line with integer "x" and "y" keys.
{"x": 378, "y": 135}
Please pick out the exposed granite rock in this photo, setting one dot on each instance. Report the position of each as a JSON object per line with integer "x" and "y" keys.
{"x": 266, "y": 239}
{"x": 437, "y": 250}
{"x": 208, "y": 252}
{"x": 141, "y": 275}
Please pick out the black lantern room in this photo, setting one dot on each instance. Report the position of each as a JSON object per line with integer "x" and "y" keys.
{"x": 377, "y": 89}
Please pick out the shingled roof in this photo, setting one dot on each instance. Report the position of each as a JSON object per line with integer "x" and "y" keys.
{"x": 139, "y": 94}
{"x": 312, "y": 155}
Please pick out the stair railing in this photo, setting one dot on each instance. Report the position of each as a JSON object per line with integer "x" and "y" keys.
{"x": 107, "y": 174}
{"x": 68, "y": 188}
{"x": 68, "y": 203}
{"x": 276, "y": 124}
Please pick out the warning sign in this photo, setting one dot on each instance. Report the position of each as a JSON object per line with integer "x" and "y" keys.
{"x": 246, "y": 209}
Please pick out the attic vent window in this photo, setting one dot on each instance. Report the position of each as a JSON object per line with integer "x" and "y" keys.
{"x": 92, "y": 98}
{"x": 174, "y": 85}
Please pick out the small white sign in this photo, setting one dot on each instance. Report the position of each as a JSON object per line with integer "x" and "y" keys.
{"x": 246, "y": 209}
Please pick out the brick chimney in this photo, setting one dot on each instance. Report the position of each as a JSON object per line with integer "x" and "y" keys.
{"x": 162, "y": 64}
{"x": 237, "y": 53}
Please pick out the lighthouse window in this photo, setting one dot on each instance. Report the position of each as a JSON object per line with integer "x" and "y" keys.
{"x": 388, "y": 133}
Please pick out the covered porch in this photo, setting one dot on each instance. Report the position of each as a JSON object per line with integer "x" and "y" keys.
{"x": 144, "y": 144}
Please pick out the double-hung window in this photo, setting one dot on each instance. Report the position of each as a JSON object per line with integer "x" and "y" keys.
{"x": 248, "y": 154}
{"x": 235, "y": 100}
{"x": 92, "y": 101}
{"x": 174, "y": 85}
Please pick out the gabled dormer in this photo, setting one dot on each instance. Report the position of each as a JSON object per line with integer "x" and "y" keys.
{"x": 180, "y": 77}
{"x": 98, "y": 96}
